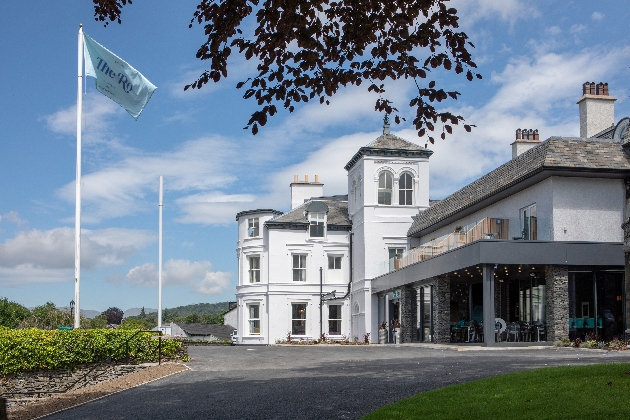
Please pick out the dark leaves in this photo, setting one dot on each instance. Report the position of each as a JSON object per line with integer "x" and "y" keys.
{"x": 306, "y": 50}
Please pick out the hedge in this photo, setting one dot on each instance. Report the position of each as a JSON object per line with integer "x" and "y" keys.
{"x": 35, "y": 349}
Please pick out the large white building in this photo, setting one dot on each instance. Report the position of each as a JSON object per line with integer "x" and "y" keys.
{"x": 537, "y": 242}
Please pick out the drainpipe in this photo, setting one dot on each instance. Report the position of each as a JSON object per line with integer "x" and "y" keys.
{"x": 321, "y": 300}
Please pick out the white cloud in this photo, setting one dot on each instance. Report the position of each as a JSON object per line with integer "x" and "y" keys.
{"x": 471, "y": 11}
{"x": 554, "y": 30}
{"x": 34, "y": 256}
{"x": 597, "y": 16}
{"x": 212, "y": 208}
{"x": 196, "y": 275}
{"x": 12, "y": 217}
{"x": 578, "y": 28}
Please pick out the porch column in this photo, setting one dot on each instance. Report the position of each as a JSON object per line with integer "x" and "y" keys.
{"x": 626, "y": 253}
{"x": 441, "y": 309}
{"x": 557, "y": 305}
{"x": 406, "y": 313}
{"x": 488, "y": 304}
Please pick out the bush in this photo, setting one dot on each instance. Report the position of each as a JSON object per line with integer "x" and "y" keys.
{"x": 12, "y": 313}
{"x": 35, "y": 349}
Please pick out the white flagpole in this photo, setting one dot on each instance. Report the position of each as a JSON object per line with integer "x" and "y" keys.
{"x": 160, "y": 205}
{"x": 77, "y": 220}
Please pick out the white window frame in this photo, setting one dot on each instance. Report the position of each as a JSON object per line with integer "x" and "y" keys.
{"x": 339, "y": 320}
{"x": 253, "y": 318}
{"x": 384, "y": 190}
{"x": 408, "y": 190}
{"x": 253, "y": 227}
{"x": 317, "y": 219}
{"x": 298, "y": 267}
{"x": 301, "y": 319}
{"x": 336, "y": 271}
{"x": 253, "y": 272}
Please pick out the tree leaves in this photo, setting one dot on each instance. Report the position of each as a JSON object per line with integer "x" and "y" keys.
{"x": 309, "y": 49}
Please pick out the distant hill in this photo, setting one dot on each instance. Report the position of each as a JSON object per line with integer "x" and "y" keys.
{"x": 136, "y": 311}
{"x": 88, "y": 313}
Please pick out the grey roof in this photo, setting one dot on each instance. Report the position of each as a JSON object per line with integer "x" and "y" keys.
{"x": 297, "y": 219}
{"x": 389, "y": 145}
{"x": 257, "y": 211}
{"x": 568, "y": 155}
{"x": 222, "y": 332}
{"x": 317, "y": 206}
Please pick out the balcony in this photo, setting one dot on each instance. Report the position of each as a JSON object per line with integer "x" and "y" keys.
{"x": 488, "y": 228}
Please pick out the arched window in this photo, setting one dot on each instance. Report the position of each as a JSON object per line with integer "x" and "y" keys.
{"x": 405, "y": 190}
{"x": 385, "y": 188}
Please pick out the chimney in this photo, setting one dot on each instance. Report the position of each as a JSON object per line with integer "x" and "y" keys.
{"x": 597, "y": 109}
{"x": 525, "y": 140}
{"x": 302, "y": 191}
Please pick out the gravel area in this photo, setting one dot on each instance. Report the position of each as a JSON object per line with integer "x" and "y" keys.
{"x": 40, "y": 407}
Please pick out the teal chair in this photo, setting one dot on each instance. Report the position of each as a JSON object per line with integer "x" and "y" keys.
{"x": 571, "y": 323}
{"x": 590, "y": 323}
{"x": 600, "y": 323}
{"x": 579, "y": 322}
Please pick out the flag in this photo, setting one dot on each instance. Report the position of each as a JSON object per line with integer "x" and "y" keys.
{"x": 115, "y": 78}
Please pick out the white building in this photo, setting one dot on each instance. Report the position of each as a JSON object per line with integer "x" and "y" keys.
{"x": 515, "y": 244}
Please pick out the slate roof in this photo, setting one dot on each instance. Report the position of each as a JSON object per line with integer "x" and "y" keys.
{"x": 296, "y": 219}
{"x": 557, "y": 154}
{"x": 221, "y": 332}
{"x": 389, "y": 145}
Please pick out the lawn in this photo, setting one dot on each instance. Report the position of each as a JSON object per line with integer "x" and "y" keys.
{"x": 568, "y": 392}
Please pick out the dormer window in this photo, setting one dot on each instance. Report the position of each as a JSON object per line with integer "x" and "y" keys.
{"x": 253, "y": 227}
{"x": 316, "y": 213}
{"x": 317, "y": 224}
{"x": 385, "y": 188}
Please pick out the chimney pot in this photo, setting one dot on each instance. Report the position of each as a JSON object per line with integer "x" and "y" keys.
{"x": 305, "y": 178}
{"x": 518, "y": 134}
{"x": 316, "y": 178}
{"x": 536, "y": 137}
{"x": 295, "y": 178}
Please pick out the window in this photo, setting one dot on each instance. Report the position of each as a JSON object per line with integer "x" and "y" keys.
{"x": 385, "y": 188}
{"x": 299, "y": 267}
{"x": 396, "y": 253}
{"x": 405, "y": 190}
{"x": 529, "y": 223}
{"x": 254, "y": 319}
{"x": 254, "y": 269}
{"x": 298, "y": 319}
{"x": 334, "y": 267}
{"x": 252, "y": 227}
{"x": 318, "y": 224}
{"x": 334, "y": 319}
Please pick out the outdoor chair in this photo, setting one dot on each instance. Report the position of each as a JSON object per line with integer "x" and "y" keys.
{"x": 541, "y": 332}
{"x": 513, "y": 329}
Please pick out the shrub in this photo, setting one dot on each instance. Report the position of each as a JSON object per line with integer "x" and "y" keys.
{"x": 12, "y": 313}
{"x": 35, "y": 349}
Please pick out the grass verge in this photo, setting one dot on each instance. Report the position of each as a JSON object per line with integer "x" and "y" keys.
{"x": 568, "y": 392}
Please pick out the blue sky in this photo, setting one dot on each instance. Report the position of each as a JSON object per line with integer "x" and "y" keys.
{"x": 534, "y": 56}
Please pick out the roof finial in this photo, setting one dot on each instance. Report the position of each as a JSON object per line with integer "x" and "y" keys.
{"x": 386, "y": 124}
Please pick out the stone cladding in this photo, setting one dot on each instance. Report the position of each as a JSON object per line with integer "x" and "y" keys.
{"x": 557, "y": 306}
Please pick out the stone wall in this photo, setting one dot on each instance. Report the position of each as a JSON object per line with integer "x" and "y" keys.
{"x": 441, "y": 309}
{"x": 28, "y": 386}
{"x": 557, "y": 306}
{"x": 407, "y": 298}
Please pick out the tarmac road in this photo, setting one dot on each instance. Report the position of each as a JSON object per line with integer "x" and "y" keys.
{"x": 315, "y": 382}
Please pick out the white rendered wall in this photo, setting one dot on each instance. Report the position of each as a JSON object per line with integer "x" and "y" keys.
{"x": 596, "y": 114}
{"x": 590, "y": 208}
{"x": 301, "y": 191}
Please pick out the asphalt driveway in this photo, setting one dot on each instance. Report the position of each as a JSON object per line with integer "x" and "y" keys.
{"x": 315, "y": 382}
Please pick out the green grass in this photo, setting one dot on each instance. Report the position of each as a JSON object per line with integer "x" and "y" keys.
{"x": 570, "y": 392}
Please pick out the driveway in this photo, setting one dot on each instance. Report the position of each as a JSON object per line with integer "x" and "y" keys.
{"x": 315, "y": 382}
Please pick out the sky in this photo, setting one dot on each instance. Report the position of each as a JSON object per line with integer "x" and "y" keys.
{"x": 534, "y": 56}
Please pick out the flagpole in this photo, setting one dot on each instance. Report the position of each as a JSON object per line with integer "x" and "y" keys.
{"x": 77, "y": 219}
{"x": 160, "y": 205}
